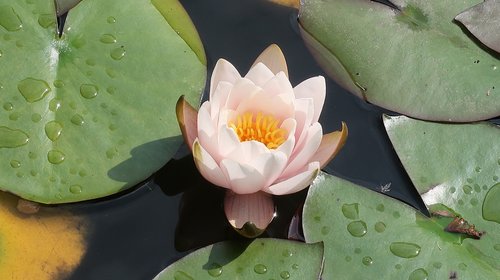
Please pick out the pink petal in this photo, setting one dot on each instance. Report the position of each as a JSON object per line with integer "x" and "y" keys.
{"x": 279, "y": 106}
{"x": 259, "y": 74}
{"x": 242, "y": 89}
{"x": 274, "y": 59}
{"x": 304, "y": 109}
{"x": 228, "y": 141}
{"x": 331, "y": 144}
{"x": 314, "y": 88}
{"x": 296, "y": 183}
{"x": 279, "y": 84}
{"x": 187, "y": 119}
{"x": 208, "y": 167}
{"x": 223, "y": 71}
{"x": 219, "y": 98}
{"x": 207, "y": 133}
{"x": 303, "y": 156}
{"x": 256, "y": 208}
{"x": 287, "y": 147}
{"x": 244, "y": 179}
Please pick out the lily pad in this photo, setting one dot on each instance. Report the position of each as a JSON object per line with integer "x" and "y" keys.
{"x": 410, "y": 57}
{"x": 455, "y": 167}
{"x": 368, "y": 235}
{"x": 92, "y": 112}
{"x": 264, "y": 258}
{"x": 483, "y": 21}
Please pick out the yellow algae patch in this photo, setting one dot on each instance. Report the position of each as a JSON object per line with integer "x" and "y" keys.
{"x": 46, "y": 245}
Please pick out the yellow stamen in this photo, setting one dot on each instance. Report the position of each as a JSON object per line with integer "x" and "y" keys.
{"x": 262, "y": 128}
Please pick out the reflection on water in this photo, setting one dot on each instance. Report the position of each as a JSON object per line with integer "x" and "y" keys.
{"x": 136, "y": 234}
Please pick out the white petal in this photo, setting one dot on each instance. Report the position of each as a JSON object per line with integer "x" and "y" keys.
{"x": 259, "y": 74}
{"x": 304, "y": 109}
{"x": 302, "y": 156}
{"x": 256, "y": 208}
{"x": 247, "y": 151}
{"x": 279, "y": 84}
{"x": 219, "y": 98}
{"x": 280, "y": 107}
{"x": 314, "y": 88}
{"x": 287, "y": 147}
{"x": 244, "y": 179}
{"x": 208, "y": 167}
{"x": 207, "y": 135}
{"x": 223, "y": 71}
{"x": 242, "y": 89}
{"x": 228, "y": 141}
{"x": 296, "y": 183}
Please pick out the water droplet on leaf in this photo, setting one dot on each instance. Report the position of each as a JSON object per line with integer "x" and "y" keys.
{"x": 53, "y": 130}
{"x": 32, "y": 89}
{"x": 12, "y": 138}
{"x": 419, "y": 274}
{"x": 357, "y": 228}
{"x": 9, "y": 19}
{"x": 404, "y": 249}
{"x": 88, "y": 91}
{"x": 351, "y": 211}
{"x": 55, "y": 156}
{"x": 260, "y": 268}
{"x": 491, "y": 207}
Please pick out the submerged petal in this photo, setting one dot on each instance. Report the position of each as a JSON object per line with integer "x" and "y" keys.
{"x": 331, "y": 144}
{"x": 255, "y": 209}
{"x": 296, "y": 183}
{"x": 274, "y": 59}
{"x": 187, "y": 118}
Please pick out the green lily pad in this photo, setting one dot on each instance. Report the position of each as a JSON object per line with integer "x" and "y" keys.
{"x": 368, "y": 235}
{"x": 92, "y": 113}
{"x": 483, "y": 21}
{"x": 263, "y": 258}
{"x": 455, "y": 167}
{"x": 412, "y": 58}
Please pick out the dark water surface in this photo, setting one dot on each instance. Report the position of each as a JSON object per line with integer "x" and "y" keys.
{"x": 134, "y": 235}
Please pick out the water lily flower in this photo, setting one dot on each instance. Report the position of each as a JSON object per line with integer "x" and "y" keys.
{"x": 257, "y": 136}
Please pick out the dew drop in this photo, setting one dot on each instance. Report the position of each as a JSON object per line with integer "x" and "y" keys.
{"x": 35, "y": 117}
{"x": 88, "y": 91}
{"x": 33, "y": 173}
{"x": 111, "y": 90}
{"x": 357, "y": 251}
{"x": 33, "y": 89}
{"x": 32, "y": 155}
{"x": 460, "y": 202}
{"x": 79, "y": 41}
{"x": 495, "y": 178}
{"x": 107, "y": 39}
{"x": 398, "y": 266}
{"x": 113, "y": 127}
{"x": 325, "y": 230}
{"x": 453, "y": 190}
{"x": 478, "y": 169}
{"x": 20, "y": 174}
{"x": 112, "y": 152}
{"x": 75, "y": 189}
{"x": 77, "y": 119}
{"x": 260, "y": 268}
{"x": 53, "y": 130}
{"x": 474, "y": 201}
{"x": 1, "y": 53}
{"x": 54, "y": 105}
{"x": 367, "y": 261}
{"x": 437, "y": 265}
{"x": 491, "y": 207}
{"x": 12, "y": 138}
{"x": 380, "y": 207}
{"x": 58, "y": 83}
{"x": 9, "y": 19}
{"x": 351, "y": 211}
{"x": 46, "y": 20}
{"x": 295, "y": 266}
{"x": 82, "y": 173}
{"x": 396, "y": 214}
{"x": 477, "y": 188}
{"x": 111, "y": 73}
{"x": 348, "y": 258}
{"x": 317, "y": 218}
{"x": 287, "y": 253}
{"x": 357, "y": 228}
{"x": 111, "y": 20}
{"x": 497, "y": 247}
{"x": 15, "y": 163}
{"x": 285, "y": 275}
{"x": 181, "y": 275}
{"x": 467, "y": 189}
{"x": 118, "y": 53}
{"x": 55, "y": 156}
{"x": 470, "y": 181}
{"x": 215, "y": 270}
{"x": 379, "y": 227}
{"x": 7, "y": 106}
{"x": 404, "y": 249}
{"x": 14, "y": 116}
{"x": 419, "y": 274}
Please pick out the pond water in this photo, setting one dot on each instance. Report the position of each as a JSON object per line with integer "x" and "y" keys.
{"x": 136, "y": 234}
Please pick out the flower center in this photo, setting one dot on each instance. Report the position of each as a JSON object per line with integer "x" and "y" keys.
{"x": 262, "y": 128}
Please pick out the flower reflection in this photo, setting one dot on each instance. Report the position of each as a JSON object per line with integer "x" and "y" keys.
{"x": 258, "y": 136}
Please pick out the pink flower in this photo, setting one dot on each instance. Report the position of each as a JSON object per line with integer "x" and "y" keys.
{"x": 258, "y": 136}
